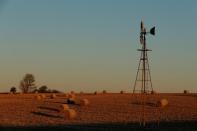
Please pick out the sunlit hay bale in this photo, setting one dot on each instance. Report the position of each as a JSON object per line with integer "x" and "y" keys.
{"x": 38, "y": 97}
{"x": 64, "y": 107}
{"x": 95, "y": 93}
{"x": 104, "y": 91}
{"x": 84, "y": 102}
{"x": 162, "y": 103}
{"x": 73, "y": 96}
{"x": 70, "y": 114}
{"x": 43, "y": 96}
{"x": 53, "y": 96}
{"x": 186, "y": 92}
{"x": 122, "y": 92}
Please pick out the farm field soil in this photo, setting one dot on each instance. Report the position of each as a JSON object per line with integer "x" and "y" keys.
{"x": 106, "y": 111}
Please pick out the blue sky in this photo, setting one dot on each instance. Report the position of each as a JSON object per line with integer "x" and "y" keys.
{"x": 91, "y": 44}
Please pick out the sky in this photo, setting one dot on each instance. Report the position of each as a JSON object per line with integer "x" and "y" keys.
{"x": 91, "y": 45}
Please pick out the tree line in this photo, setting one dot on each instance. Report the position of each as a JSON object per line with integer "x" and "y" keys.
{"x": 27, "y": 85}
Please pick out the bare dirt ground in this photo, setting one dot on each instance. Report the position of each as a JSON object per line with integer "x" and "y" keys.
{"x": 105, "y": 112}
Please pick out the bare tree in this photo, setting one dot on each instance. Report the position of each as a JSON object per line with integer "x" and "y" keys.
{"x": 27, "y": 83}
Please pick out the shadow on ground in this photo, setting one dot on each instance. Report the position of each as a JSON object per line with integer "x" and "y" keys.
{"x": 163, "y": 126}
{"x": 45, "y": 114}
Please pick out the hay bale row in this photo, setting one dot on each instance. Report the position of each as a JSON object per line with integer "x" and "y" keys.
{"x": 76, "y": 101}
{"x": 43, "y": 96}
{"x": 104, "y": 91}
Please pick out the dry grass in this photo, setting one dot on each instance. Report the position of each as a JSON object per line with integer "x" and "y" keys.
{"x": 24, "y": 110}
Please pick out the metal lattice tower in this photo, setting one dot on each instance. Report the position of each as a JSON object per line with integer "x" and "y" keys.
{"x": 143, "y": 83}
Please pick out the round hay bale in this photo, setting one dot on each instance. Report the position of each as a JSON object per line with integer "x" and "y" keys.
{"x": 53, "y": 96}
{"x": 43, "y": 96}
{"x": 186, "y": 92}
{"x": 84, "y": 102}
{"x": 38, "y": 97}
{"x": 70, "y": 114}
{"x": 162, "y": 103}
{"x": 122, "y": 92}
{"x": 71, "y": 96}
{"x": 64, "y": 107}
{"x": 104, "y": 91}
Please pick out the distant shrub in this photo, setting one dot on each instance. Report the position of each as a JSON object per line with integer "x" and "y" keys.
{"x": 186, "y": 92}
{"x": 104, "y": 91}
{"x": 95, "y": 93}
{"x": 13, "y": 90}
{"x": 55, "y": 91}
{"x": 122, "y": 92}
{"x": 43, "y": 89}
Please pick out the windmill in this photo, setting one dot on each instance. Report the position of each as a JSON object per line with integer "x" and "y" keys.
{"x": 143, "y": 83}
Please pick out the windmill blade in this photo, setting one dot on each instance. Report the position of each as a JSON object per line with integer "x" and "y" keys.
{"x": 141, "y": 33}
{"x": 142, "y": 26}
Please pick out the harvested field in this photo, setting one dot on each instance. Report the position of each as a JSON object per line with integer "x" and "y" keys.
{"x": 105, "y": 111}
